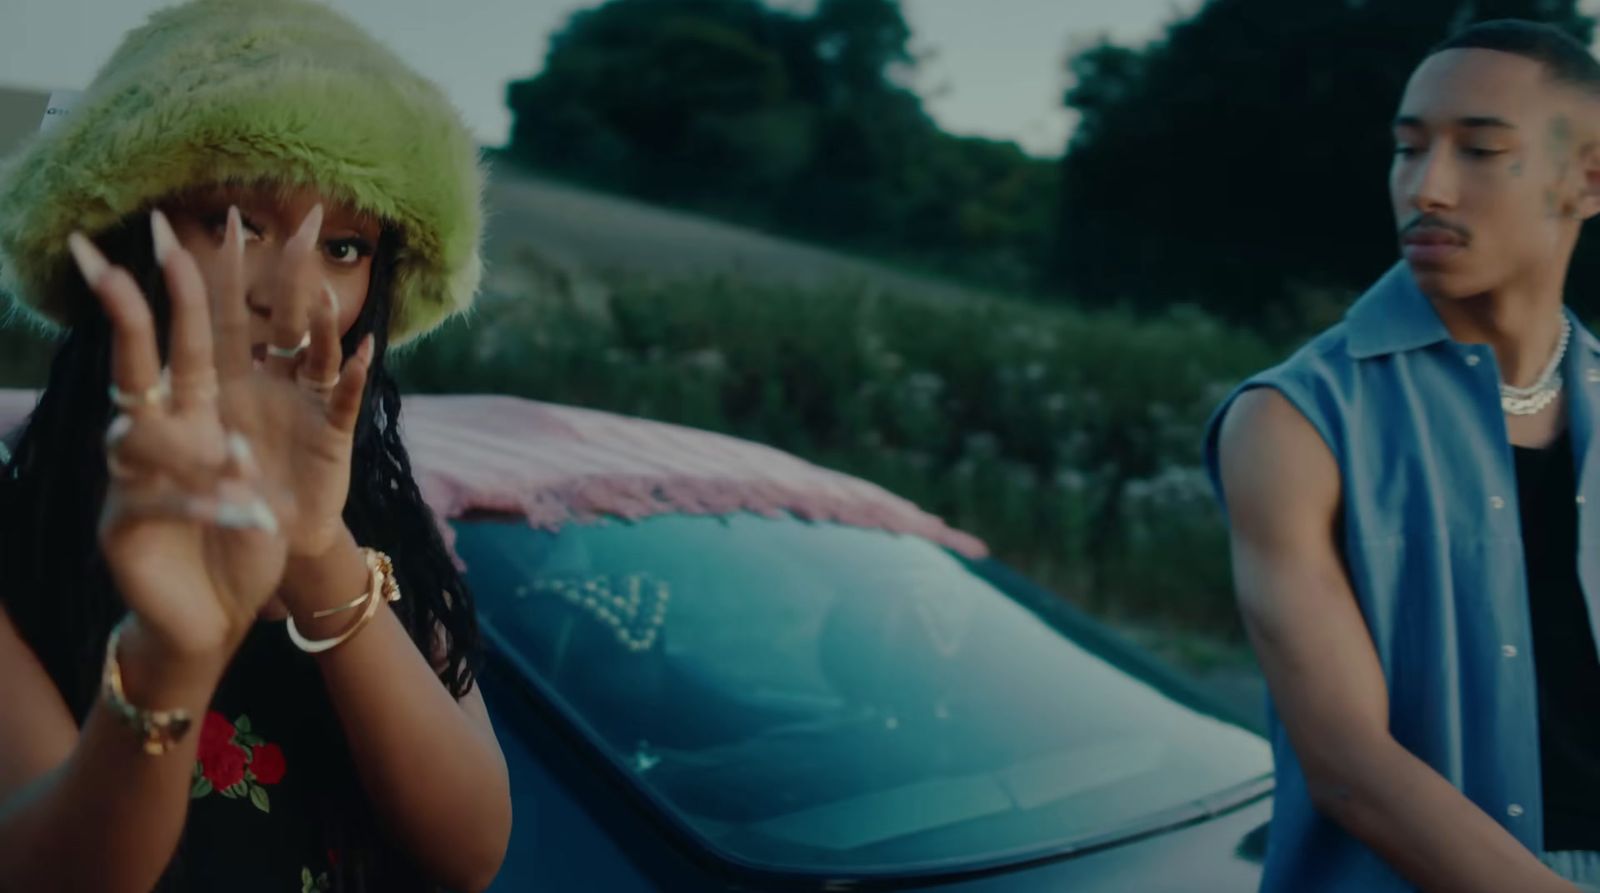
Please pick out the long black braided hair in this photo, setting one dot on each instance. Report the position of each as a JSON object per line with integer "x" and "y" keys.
{"x": 58, "y": 591}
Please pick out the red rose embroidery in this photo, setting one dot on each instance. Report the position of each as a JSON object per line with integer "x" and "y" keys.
{"x": 266, "y": 762}
{"x": 225, "y": 767}
{"x": 235, "y": 762}
{"x": 215, "y": 733}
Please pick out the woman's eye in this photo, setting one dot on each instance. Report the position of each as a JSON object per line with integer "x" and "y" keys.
{"x": 348, "y": 252}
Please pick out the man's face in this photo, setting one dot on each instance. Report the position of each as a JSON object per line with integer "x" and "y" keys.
{"x": 1487, "y": 182}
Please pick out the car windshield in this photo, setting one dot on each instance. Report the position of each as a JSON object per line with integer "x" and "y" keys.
{"x": 822, "y": 698}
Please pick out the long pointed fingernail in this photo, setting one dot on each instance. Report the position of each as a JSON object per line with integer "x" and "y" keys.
{"x": 91, "y": 263}
{"x": 310, "y": 227}
{"x": 200, "y": 508}
{"x": 243, "y": 456}
{"x": 233, "y": 235}
{"x": 253, "y": 513}
{"x": 232, "y": 515}
{"x": 166, "y": 240}
{"x": 118, "y": 429}
{"x": 264, "y": 517}
{"x": 333, "y": 297}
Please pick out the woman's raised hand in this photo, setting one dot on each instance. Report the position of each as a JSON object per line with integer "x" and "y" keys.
{"x": 191, "y": 531}
{"x": 221, "y": 465}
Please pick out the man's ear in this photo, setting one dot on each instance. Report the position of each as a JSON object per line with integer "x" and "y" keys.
{"x": 1586, "y": 203}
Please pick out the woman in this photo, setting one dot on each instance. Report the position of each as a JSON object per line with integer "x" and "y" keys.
{"x": 236, "y": 654}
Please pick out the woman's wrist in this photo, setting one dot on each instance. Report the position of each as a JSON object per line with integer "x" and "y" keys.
{"x": 315, "y": 542}
{"x": 327, "y": 580}
{"x": 157, "y": 676}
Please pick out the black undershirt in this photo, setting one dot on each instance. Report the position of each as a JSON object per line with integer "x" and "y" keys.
{"x": 1565, "y": 661}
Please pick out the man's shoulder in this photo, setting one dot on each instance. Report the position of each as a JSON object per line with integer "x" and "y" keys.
{"x": 1322, "y": 363}
{"x": 1309, "y": 386}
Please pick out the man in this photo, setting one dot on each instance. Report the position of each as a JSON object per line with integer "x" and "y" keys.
{"x": 1406, "y": 496}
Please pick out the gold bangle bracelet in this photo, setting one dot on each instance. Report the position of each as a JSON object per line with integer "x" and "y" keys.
{"x": 317, "y": 646}
{"x": 159, "y": 730}
{"x": 356, "y": 602}
{"x": 381, "y": 587}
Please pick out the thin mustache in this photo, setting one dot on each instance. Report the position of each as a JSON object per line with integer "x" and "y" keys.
{"x": 1428, "y": 221}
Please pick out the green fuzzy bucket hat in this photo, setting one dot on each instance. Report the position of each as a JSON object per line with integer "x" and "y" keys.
{"x": 252, "y": 91}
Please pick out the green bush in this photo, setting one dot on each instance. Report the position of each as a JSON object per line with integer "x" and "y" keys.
{"x": 1067, "y": 440}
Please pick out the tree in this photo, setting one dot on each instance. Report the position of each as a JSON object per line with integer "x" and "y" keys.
{"x": 1241, "y": 160}
{"x": 859, "y": 40}
{"x": 653, "y": 96}
{"x": 787, "y": 121}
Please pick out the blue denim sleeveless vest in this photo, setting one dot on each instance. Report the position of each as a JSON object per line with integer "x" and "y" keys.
{"x": 1433, "y": 548}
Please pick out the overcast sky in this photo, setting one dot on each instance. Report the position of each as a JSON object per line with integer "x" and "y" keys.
{"x": 994, "y": 67}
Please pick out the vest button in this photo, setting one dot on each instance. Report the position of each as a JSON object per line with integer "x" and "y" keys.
{"x": 1473, "y": 359}
{"x": 1508, "y": 650}
{"x": 1496, "y": 503}
{"x": 1594, "y": 376}
{"x": 1514, "y": 810}
{"x": 1581, "y": 500}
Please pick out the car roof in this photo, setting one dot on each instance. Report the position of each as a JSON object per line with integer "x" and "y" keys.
{"x": 557, "y": 465}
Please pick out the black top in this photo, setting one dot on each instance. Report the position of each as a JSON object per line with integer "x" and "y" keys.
{"x": 1565, "y": 661}
{"x": 275, "y": 798}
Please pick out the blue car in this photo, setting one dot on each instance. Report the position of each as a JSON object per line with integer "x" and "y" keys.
{"x": 714, "y": 667}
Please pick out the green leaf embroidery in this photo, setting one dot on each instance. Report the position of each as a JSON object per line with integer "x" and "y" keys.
{"x": 249, "y": 775}
{"x": 200, "y": 788}
{"x": 250, "y": 740}
{"x": 258, "y": 796}
{"x": 305, "y": 880}
{"x": 242, "y": 724}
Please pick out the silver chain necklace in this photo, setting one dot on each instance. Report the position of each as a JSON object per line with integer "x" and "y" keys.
{"x": 1533, "y": 399}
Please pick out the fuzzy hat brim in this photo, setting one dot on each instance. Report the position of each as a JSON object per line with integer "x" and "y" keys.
{"x": 251, "y": 91}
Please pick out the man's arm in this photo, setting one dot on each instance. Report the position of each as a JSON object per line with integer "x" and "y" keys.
{"x": 1282, "y": 489}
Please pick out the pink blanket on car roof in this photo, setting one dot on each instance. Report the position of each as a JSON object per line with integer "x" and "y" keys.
{"x": 556, "y": 465}
{"x": 559, "y": 464}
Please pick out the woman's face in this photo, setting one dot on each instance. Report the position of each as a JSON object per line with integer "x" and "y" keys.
{"x": 270, "y": 217}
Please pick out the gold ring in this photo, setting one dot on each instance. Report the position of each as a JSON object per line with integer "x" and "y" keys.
{"x": 323, "y": 388}
{"x": 154, "y": 395}
{"x": 202, "y": 386}
{"x": 289, "y": 353}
